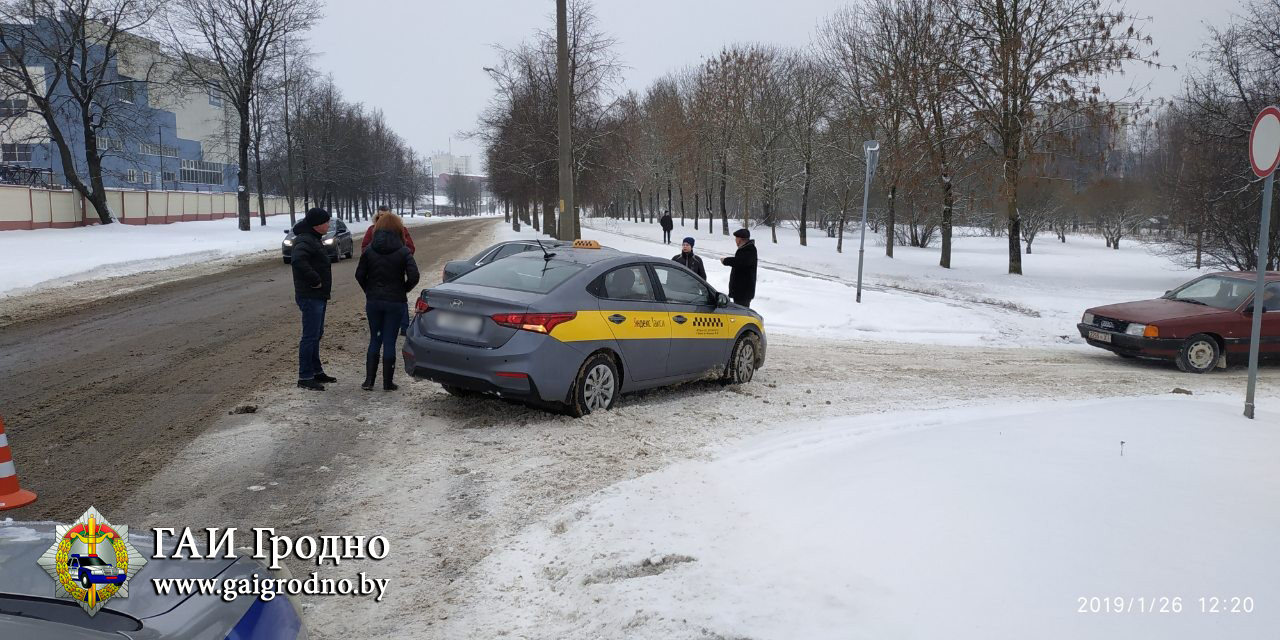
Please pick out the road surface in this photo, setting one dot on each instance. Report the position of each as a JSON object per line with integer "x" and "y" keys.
{"x": 98, "y": 399}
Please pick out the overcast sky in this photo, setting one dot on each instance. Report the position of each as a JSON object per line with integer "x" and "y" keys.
{"x": 421, "y": 61}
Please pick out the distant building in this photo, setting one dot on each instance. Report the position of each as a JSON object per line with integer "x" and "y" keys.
{"x": 176, "y": 137}
{"x": 447, "y": 163}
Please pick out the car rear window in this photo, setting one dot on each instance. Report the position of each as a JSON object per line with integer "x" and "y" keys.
{"x": 523, "y": 273}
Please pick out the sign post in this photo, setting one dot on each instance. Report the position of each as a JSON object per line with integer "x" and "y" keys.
{"x": 1264, "y": 155}
{"x": 871, "y": 152}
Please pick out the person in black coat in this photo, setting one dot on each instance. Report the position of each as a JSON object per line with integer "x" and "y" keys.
{"x": 742, "y": 275}
{"x": 387, "y": 273}
{"x": 312, "y": 283}
{"x": 667, "y": 225}
{"x": 687, "y": 258}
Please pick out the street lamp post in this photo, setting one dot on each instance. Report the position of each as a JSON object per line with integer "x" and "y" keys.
{"x": 568, "y": 212}
{"x": 871, "y": 153}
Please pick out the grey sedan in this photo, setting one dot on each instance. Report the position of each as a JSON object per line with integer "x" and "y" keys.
{"x": 575, "y": 328}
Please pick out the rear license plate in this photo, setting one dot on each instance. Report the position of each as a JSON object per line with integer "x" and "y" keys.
{"x": 459, "y": 323}
{"x": 1099, "y": 336}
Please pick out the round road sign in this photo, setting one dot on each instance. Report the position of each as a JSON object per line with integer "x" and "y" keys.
{"x": 1264, "y": 142}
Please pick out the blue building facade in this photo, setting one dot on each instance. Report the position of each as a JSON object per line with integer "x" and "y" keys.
{"x": 181, "y": 139}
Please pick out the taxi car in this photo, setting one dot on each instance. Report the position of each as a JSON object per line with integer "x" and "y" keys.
{"x": 576, "y": 327}
{"x": 1204, "y": 324}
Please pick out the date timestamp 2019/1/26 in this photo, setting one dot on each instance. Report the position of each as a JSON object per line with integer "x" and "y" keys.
{"x": 1164, "y": 604}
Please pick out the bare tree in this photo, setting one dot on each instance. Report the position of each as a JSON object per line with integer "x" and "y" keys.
{"x": 1027, "y": 66}
{"x": 225, "y": 45}
{"x": 64, "y": 64}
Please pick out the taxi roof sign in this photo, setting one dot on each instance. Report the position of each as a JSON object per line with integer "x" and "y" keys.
{"x": 585, "y": 244}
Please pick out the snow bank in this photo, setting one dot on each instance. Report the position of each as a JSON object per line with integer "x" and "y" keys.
{"x": 974, "y": 523}
{"x": 810, "y": 290}
{"x": 57, "y": 257}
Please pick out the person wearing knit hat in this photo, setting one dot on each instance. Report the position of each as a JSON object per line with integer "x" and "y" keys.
{"x": 687, "y": 258}
{"x": 742, "y": 274}
{"x": 312, "y": 284}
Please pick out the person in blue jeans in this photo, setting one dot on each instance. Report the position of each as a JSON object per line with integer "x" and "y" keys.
{"x": 386, "y": 273}
{"x": 312, "y": 283}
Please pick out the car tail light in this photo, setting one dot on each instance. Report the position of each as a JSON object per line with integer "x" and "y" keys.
{"x": 1151, "y": 331}
{"x": 537, "y": 322}
{"x": 422, "y": 306}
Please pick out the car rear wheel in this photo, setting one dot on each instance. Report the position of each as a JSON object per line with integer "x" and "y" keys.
{"x": 1199, "y": 354}
{"x": 742, "y": 360}
{"x": 288, "y": 260}
{"x": 597, "y": 386}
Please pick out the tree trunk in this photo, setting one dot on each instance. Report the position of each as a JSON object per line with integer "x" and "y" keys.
{"x": 844, "y": 215}
{"x": 257, "y": 164}
{"x": 890, "y": 223}
{"x": 682, "y": 203}
{"x": 549, "y": 220}
{"x": 1011, "y": 167}
{"x": 724, "y": 185}
{"x": 948, "y": 206}
{"x": 242, "y": 171}
{"x": 804, "y": 203}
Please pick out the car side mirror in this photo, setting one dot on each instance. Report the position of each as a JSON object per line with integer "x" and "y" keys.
{"x": 722, "y": 300}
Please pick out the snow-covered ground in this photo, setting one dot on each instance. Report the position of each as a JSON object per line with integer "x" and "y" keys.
{"x": 810, "y": 290}
{"x": 58, "y": 257}
{"x": 994, "y": 522}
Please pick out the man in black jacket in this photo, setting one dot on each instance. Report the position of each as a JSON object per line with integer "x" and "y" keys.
{"x": 689, "y": 260}
{"x": 742, "y": 276}
{"x": 667, "y": 225}
{"x": 312, "y": 283}
{"x": 387, "y": 273}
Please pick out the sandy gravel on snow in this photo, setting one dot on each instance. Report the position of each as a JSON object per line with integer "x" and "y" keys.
{"x": 450, "y": 481}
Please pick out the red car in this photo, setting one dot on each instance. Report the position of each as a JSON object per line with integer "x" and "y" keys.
{"x": 1203, "y": 324}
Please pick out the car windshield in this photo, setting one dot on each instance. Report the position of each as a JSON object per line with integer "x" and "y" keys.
{"x": 93, "y": 561}
{"x": 1220, "y": 292}
{"x": 523, "y": 273}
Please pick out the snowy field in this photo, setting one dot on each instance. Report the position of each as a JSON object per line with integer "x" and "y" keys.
{"x": 809, "y": 290}
{"x": 41, "y": 258}
{"x": 962, "y": 523}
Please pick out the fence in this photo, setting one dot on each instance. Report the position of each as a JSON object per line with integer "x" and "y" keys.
{"x": 33, "y": 208}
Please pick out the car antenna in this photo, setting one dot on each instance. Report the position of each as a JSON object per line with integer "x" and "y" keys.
{"x": 545, "y": 254}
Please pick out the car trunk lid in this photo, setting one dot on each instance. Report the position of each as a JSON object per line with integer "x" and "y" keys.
{"x": 463, "y": 314}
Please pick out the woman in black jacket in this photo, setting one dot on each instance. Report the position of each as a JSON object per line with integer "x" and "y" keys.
{"x": 387, "y": 273}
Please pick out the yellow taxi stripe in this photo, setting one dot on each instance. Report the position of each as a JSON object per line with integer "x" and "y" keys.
{"x": 645, "y": 325}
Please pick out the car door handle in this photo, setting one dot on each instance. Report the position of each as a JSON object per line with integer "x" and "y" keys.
{"x": 617, "y": 318}
{"x": 679, "y": 319}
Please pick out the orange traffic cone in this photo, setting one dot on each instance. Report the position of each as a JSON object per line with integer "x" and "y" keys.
{"x": 12, "y": 496}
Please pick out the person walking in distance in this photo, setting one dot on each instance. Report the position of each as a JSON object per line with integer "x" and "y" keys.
{"x": 742, "y": 274}
{"x": 312, "y": 283}
{"x": 667, "y": 225}
{"x": 387, "y": 273}
{"x": 687, "y": 258}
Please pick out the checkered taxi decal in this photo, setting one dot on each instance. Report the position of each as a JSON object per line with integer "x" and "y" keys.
{"x": 707, "y": 321}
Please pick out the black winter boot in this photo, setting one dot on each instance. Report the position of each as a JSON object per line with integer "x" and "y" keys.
{"x": 370, "y": 371}
{"x": 388, "y": 369}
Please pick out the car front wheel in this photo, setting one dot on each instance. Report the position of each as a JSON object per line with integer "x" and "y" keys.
{"x": 596, "y": 388}
{"x": 84, "y": 580}
{"x": 742, "y": 361}
{"x": 1199, "y": 354}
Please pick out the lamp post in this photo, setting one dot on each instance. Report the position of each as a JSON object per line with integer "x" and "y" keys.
{"x": 568, "y": 212}
{"x": 871, "y": 153}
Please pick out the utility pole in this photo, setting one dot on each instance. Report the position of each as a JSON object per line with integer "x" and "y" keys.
{"x": 568, "y": 212}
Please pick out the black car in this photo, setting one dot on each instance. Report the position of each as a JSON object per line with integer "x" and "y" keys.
{"x": 337, "y": 242}
{"x": 455, "y": 268}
